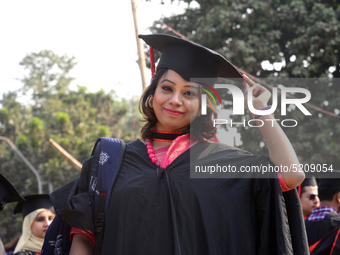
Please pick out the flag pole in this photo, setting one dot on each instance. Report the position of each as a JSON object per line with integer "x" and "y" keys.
{"x": 67, "y": 155}
{"x": 141, "y": 54}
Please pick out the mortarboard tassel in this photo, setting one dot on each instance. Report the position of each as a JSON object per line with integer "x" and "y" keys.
{"x": 152, "y": 61}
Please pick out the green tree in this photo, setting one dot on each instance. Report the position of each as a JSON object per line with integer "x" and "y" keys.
{"x": 300, "y": 37}
{"x": 47, "y": 73}
{"x": 74, "y": 119}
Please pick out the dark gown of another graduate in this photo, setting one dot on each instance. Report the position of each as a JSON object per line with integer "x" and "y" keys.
{"x": 164, "y": 211}
{"x": 326, "y": 229}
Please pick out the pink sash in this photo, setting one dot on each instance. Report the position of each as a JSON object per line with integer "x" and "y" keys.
{"x": 182, "y": 143}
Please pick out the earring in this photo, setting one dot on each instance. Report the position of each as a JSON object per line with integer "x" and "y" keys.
{"x": 150, "y": 102}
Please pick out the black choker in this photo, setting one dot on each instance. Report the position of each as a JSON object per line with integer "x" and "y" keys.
{"x": 164, "y": 136}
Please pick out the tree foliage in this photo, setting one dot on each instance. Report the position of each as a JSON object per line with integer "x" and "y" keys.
{"x": 297, "y": 39}
{"x": 74, "y": 119}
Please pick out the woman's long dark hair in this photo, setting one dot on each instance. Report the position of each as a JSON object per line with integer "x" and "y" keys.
{"x": 201, "y": 128}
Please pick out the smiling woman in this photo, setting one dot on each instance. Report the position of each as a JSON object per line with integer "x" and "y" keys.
{"x": 174, "y": 102}
{"x": 156, "y": 207}
{"x": 171, "y": 103}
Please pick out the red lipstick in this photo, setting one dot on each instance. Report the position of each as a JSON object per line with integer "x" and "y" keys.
{"x": 173, "y": 112}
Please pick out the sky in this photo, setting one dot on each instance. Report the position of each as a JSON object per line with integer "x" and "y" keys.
{"x": 99, "y": 34}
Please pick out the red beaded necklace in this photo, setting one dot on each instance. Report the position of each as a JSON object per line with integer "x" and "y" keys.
{"x": 151, "y": 152}
{"x": 162, "y": 136}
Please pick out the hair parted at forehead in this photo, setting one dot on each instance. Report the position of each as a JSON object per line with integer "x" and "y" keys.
{"x": 201, "y": 128}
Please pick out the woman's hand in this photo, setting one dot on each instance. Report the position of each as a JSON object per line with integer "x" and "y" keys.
{"x": 281, "y": 151}
{"x": 260, "y": 95}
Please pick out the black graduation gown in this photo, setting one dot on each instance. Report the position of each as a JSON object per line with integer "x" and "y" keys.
{"x": 325, "y": 229}
{"x": 164, "y": 211}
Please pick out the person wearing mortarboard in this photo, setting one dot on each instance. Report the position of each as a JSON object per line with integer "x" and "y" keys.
{"x": 38, "y": 213}
{"x": 8, "y": 194}
{"x": 156, "y": 208}
{"x": 308, "y": 193}
{"x": 323, "y": 225}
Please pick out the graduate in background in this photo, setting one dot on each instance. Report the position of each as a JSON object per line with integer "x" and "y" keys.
{"x": 8, "y": 194}
{"x": 308, "y": 193}
{"x": 38, "y": 213}
{"x": 323, "y": 225}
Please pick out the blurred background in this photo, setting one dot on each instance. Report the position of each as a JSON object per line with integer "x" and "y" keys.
{"x": 69, "y": 72}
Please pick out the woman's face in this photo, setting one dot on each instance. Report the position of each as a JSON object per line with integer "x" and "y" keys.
{"x": 176, "y": 102}
{"x": 41, "y": 223}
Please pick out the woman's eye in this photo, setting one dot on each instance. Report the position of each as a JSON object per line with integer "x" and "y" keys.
{"x": 190, "y": 93}
{"x": 166, "y": 88}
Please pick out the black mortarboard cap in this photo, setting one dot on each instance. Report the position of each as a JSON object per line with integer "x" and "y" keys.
{"x": 32, "y": 203}
{"x": 329, "y": 182}
{"x": 188, "y": 59}
{"x": 8, "y": 193}
{"x": 309, "y": 182}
